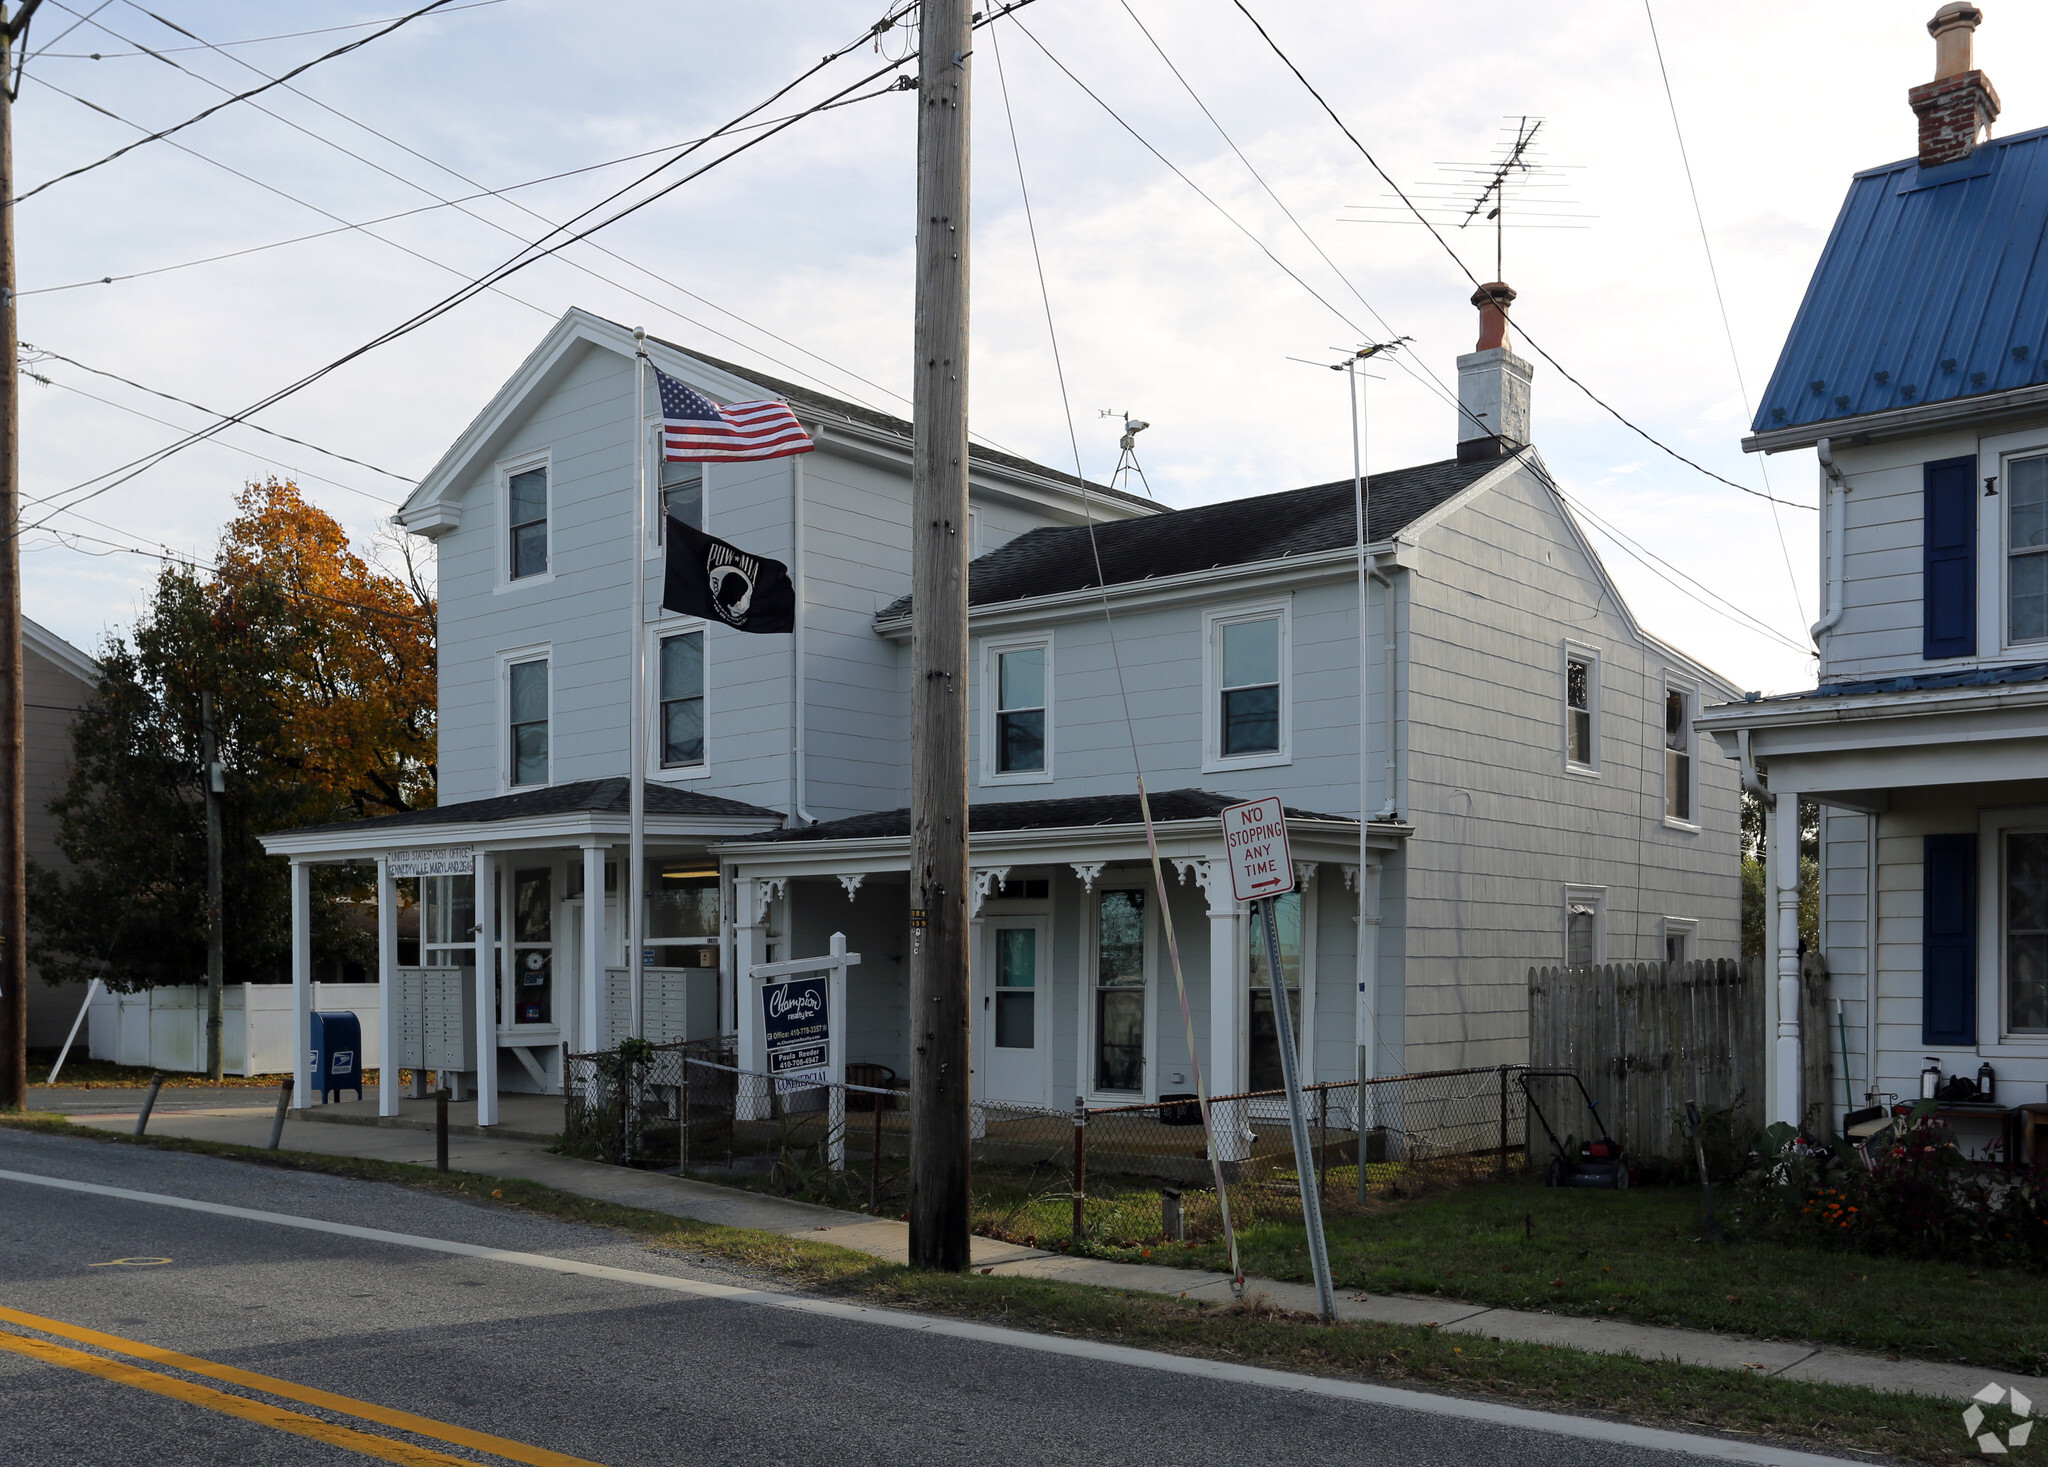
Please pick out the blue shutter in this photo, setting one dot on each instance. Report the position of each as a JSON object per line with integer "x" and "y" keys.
{"x": 1948, "y": 941}
{"x": 1949, "y": 571}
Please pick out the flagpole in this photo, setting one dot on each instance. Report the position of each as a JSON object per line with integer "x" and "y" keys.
{"x": 636, "y": 778}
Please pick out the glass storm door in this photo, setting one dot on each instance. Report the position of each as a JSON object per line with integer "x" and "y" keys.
{"x": 1120, "y": 991}
{"x": 1013, "y": 1016}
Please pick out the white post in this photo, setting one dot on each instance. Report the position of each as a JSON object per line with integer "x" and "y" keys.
{"x": 1783, "y": 861}
{"x": 636, "y": 778}
{"x": 486, "y": 990}
{"x": 1226, "y": 1010}
{"x": 1367, "y": 1036}
{"x": 387, "y": 990}
{"x": 302, "y": 982}
{"x": 592, "y": 1005}
{"x": 835, "y": 1053}
{"x": 749, "y": 952}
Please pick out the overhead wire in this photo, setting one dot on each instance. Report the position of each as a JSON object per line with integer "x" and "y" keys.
{"x": 354, "y": 25}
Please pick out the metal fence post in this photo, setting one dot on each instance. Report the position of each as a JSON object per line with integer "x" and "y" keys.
{"x": 156, "y": 1083}
{"x": 1500, "y": 1166}
{"x": 1080, "y": 1170}
{"x": 683, "y": 1134}
{"x": 284, "y": 1101}
{"x": 1322, "y": 1140}
{"x": 441, "y": 1129}
{"x": 875, "y": 1171}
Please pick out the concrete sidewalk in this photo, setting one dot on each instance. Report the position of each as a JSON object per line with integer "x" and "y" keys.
{"x": 346, "y": 1130}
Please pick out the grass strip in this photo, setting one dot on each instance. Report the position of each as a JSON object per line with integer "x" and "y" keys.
{"x": 1653, "y": 1392}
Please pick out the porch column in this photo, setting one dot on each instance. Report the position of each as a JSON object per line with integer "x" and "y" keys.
{"x": 751, "y": 897}
{"x": 1226, "y": 1006}
{"x": 1367, "y": 1036}
{"x": 591, "y": 1005}
{"x": 302, "y": 983}
{"x": 387, "y": 990}
{"x": 486, "y": 990}
{"x": 1783, "y": 860}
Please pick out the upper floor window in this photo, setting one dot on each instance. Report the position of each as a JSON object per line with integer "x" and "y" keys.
{"x": 1246, "y": 687}
{"x": 1678, "y": 770}
{"x": 527, "y": 717}
{"x": 527, "y": 501}
{"x": 1583, "y": 937}
{"x": 1581, "y": 709}
{"x": 2026, "y": 549}
{"x": 1020, "y": 710}
{"x": 682, "y": 495}
{"x": 682, "y": 700}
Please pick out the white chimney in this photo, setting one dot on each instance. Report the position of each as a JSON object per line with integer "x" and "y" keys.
{"x": 1493, "y": 384}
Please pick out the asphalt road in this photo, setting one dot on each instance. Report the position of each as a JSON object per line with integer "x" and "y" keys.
{"x": 606, "y": 1369}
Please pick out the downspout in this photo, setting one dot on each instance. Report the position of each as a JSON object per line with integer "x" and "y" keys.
{"x": 796, "y": 478}
{"x": 1391, "y": 808}
{"x": 1837, "y": 492}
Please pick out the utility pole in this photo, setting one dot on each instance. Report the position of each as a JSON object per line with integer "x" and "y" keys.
{"x": 209, "y": 757}
{"x": 940, "y": 1100}
{"x": 13, "y": 780}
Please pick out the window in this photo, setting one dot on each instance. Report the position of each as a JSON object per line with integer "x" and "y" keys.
{"x": 1120, "y": 991}
{"x": 1020, "y": 711}
{"x": 448, "y": 921}
{"x": 533, "y": 945}
{"x": 2026, "y": 549}
{"x": 527, "y": 701}
{"x": 1016, "y": 987}
{"x": 1581, "y": 709}
{"x": 1678, "y": 790}
{"x": 1265, "y": 1069}
{"x": 527, "y": 498}
{"x": 1583, "y": 935}
{"x": 1679, "y": 934}
{"x": 682, "y": 494}
{"x": 1246, "y": 688}
{"x": 2026, "y": 932}
{"x": 682, "y": 915}
{"x": 682, "y": 700}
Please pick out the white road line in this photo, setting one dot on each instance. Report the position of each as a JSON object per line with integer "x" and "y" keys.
{"x": 1715, "y": 1449}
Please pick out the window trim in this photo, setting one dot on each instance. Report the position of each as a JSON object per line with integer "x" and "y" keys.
{"x": 657, "y": 526}
{"x": 1092, "y": 937}
{"x": 537, "y": 652}
{"x": 544, "y": 459}
{"x": 1690, "y": 688}
{"x": 1214, "y": 761}
{"x": 1686, "y": 927}
{"x": 1580, "y": 652}
{"x": 1997, "y": 1040}
{"x": 991, "y": 649}
{"x": 1993, "y": 608}
{"x": 1596, "y": 898}
{"x": 658, "y": 632}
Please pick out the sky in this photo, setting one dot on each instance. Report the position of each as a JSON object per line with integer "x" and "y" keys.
{"x": 1202, "y": 301}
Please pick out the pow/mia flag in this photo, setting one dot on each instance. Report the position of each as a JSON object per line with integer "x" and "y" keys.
{"x": 706, "y": 577}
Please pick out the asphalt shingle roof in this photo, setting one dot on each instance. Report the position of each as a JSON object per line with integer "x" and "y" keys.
{"x": 593, "y": 796}
{"x": 1965, "y": 677}
{"x": 1235, "y": 532}
{"x": 1006, "y": 815}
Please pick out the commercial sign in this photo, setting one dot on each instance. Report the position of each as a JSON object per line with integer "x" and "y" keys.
{"x": 796, "y": 1021}
{"x": 1255, "y": 836}
{"x": 433, "y": 861}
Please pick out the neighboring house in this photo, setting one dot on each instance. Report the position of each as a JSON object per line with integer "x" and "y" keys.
{"x": 57, "y": 680}
{"x": 1918, "y": 368}
{"x": 1532, "y": 791}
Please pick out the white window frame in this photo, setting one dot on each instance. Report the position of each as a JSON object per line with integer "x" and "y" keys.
{"x": 1584, "y": 896}
{"x": 973, "y": 534}
{"x": 1213, "y": 622}
{"x": 657, "y": 632}
{"x": 1993, "y": 827}
{"x": 539, "y": 652}
{"x": 1995, "y": 453}
{"x": 657, "y": 523}
{"x": 1685, "y": 927}
{"x": 1580, "y": 652}
{"x": 1690, "y": 688}
{"x": 1091, "y": 972}
{"x": 544, "y": 459}
{"x": 1304, "y": 1039}
{"x": 991, "y": 650}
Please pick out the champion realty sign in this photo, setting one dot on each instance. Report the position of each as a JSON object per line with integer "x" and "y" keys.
{"x": 796, "y": 1020}
{"x": 1255, "y": 835}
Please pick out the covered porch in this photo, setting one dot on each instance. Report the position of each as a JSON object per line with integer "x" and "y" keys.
{"x": 496, "y": 991}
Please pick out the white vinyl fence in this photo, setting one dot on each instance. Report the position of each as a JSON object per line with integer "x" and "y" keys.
{"x": 165, "y": 1028}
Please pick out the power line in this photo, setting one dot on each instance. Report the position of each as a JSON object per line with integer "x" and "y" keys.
{"x": 325, "y": 30}
{"x": 1534, "y": 345}
{"x": 354, "y": 45}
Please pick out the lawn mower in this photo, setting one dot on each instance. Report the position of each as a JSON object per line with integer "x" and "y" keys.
{"x": 1598, "y": 1163}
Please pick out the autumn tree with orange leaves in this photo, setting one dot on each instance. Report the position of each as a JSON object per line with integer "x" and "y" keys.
{"x": 322, "y": 667}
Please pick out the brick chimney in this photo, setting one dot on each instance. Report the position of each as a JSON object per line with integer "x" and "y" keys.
{"x": 1493, "y": 384}
{"x": 1960, "y": 103}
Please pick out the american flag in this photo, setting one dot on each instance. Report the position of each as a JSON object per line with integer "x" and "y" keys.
{"x": 697, "y": 430}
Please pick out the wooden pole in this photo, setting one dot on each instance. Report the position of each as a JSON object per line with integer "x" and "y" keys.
{"x": 940, "y": 1099}
{"x": 209, "y": 758}
{"x": 13, "y": 780}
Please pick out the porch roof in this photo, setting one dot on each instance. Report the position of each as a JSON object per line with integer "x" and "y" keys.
{"x": 564, "y": 811}
{"x": 1078, "y": 812}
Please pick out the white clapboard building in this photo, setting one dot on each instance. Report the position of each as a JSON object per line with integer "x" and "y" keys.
{"x": 1533, "y": 791}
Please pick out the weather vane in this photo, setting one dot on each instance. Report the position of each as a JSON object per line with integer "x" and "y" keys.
{"x": 1127, "y": 451}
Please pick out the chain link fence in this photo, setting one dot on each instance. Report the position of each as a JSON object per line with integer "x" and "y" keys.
{"x": 1129, "y": 1175}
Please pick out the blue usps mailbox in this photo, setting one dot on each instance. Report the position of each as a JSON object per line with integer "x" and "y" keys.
{"x": 337, "y": 1055}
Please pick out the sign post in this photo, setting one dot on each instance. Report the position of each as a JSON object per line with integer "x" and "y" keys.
{"x": 803, "y": 1025}
{"x": 1261, "y": 871}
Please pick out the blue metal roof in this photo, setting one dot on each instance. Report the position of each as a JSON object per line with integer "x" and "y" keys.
{"x": 1991, "y": 676}
{"x": 1933, "y": 286}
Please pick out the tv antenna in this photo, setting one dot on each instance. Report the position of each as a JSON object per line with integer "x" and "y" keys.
{"x": 1127, "y": 452}
{"x": 1480, "y": 193}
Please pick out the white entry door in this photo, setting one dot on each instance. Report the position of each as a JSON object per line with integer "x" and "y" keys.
{"x": 1015, "y": 1010}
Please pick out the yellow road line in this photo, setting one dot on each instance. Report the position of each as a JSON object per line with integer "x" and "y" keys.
{"x": 260, "y": 1412}
{"x": 291, "y": 1391}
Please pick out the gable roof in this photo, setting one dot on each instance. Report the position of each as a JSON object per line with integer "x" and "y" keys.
{"x": 1932, "y": 289}
{"x": 1209, "y": 536}
{"x": 992, "y": 816}
{"x": 60, "y": 652}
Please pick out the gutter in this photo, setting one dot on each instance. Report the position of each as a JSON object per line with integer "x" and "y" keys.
{"x": 1836, "y": 508}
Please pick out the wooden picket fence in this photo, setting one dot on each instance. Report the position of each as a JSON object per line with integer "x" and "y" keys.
{"x": 1648, "y": 1037}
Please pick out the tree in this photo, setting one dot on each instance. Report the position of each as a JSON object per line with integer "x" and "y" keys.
{"x": 322, "y": 670}
{"x": 1757, "y": 901}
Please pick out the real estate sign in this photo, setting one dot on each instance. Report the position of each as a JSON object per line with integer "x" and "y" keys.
{"x": 1255, "y": 836}
{"x": 796, "y": 1021}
